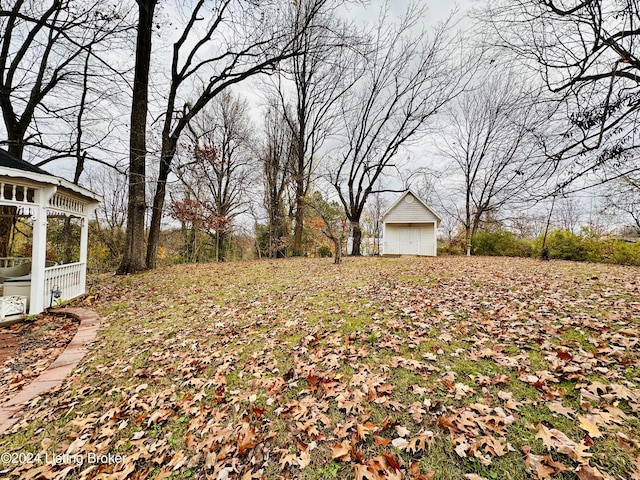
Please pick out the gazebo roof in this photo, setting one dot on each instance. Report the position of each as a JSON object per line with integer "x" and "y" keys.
{"x": 9, "y": 161}
{"x": 16, "y": 168}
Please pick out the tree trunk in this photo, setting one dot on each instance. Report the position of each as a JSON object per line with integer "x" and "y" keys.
{"x": 299, "y": 220}
{"x": 337, "y": 258}
{"x": 222, "y": 244}
{"x": 357, "y": 238}
{"x": 134, "y": 259}
{"x": 278, "y": 230}
{"x": 474, "y": 226}
{"x": 7, "y": 220}
{"x": 168, "y": 151}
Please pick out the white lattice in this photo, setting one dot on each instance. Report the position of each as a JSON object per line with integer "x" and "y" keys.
{"x": 13, "y": 305}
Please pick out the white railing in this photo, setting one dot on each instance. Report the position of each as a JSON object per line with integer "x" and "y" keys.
{"x": 13, "y": 261}
{"x": 69, "y": 279}
{"x": 66, "y": 204}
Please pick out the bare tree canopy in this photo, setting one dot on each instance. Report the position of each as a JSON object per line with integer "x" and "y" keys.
{"x": 586, "y": 52}
{"x": 221, "y": 44}
{"x": 309, "y": 87}
{"x": 54, "y": 70}
{"x": 218, "y": 169}
{"x": 491, "y": 140}
{"x": 402, "y": 80}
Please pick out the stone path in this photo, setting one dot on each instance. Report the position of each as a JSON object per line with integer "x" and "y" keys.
{"x": 11, "y": 411}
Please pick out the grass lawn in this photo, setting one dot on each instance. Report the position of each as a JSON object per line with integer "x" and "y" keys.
{"x": 445, "y": 368}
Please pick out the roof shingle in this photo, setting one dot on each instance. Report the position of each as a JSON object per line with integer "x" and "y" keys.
{"x": 9, "y": 161}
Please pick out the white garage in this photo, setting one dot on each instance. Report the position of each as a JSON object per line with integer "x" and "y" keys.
{"x": 409, "y": 227}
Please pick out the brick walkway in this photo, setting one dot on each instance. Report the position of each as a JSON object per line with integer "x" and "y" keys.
{"x": 11, "y": 411}
{"x": 8, "y": 345}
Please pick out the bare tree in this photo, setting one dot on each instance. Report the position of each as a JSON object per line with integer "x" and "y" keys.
{"x": 52, "y": 54}
{"x": 402, "y": 80}
{"x": 111, "y": 214}
{"x": 276, "y": 156}
{"x": 332, "y": 216}
{"x": 221, "y": 164}
{"x": 133, "y": 257}
{"x": 568, "y": 213}
{"x": 586, "y": 52}
{"x": 309, "y": 87}
{"x": 491, "y": 141}
{"x": 372, "y": 219}
{"x": 219, "y": 46}
{"x": 623, "y": 196}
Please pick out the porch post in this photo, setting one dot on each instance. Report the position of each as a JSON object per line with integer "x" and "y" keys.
{"x": 39, "y": 250}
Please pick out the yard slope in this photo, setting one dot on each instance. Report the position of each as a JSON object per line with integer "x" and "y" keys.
{"x": 422, "y": 368}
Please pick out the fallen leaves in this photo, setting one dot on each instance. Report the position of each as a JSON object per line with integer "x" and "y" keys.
{"x": 287, "y": 369}
{"x": 28, "y": 348}
{"x": 589, "y": 426}
{"x": 553, "y": 438}
{"x": 543, "y": 466}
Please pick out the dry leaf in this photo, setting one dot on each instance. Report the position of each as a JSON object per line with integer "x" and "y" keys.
{"x": 586, "y": 472}
{"x": 341, "y": 451}
{"x": 590, "y": 427}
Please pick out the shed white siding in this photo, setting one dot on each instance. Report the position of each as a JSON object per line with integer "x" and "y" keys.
{"x": 413, "y": 212}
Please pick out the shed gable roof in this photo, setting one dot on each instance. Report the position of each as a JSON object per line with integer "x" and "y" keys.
{"x": 414, "y": 212}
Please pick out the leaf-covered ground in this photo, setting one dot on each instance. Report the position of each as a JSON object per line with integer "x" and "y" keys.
{"x": 36, "y": 344}
{"x": 445, "y": 368}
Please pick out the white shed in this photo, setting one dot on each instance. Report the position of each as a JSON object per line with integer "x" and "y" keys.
{"x": 409, "y": 227}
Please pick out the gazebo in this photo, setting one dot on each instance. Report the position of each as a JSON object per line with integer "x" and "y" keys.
{"x": 33, "y": 282}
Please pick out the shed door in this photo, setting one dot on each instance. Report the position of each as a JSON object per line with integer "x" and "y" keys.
{"x": 410, "y": 241}
{"x": 427, "y": 238}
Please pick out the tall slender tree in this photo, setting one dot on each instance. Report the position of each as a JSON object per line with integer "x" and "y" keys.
{"x": 276, "y": 156}
{"x": 310, "y": 86}
{"x": 402, "y": 80}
